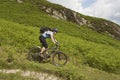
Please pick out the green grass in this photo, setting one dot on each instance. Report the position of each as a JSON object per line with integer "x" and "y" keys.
{"x": 19, "y": 31}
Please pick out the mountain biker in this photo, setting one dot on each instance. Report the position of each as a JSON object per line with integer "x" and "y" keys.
{"x": 47, "y": 34}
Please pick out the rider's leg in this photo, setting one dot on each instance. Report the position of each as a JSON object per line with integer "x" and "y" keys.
{"x": 42, "y": 51}
{"x": 44, "y": 44}
{"x": 47, "y": 54}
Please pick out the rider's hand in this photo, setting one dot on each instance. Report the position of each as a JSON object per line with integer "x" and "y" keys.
{"x": 57, "y": 44}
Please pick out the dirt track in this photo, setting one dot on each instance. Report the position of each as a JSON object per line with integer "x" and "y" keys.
{"x": 32, "y": 74}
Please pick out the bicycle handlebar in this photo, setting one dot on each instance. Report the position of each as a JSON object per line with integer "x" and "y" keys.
{"x": 56, "y": 46}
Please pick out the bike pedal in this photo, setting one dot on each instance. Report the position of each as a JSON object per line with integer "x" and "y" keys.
{"x": 48, "y": 56}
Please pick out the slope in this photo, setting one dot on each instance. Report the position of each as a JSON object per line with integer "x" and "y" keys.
{"x": 17, "y": 39}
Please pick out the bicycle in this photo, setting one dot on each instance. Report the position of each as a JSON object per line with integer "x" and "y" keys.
{"x": 58, "y": 58}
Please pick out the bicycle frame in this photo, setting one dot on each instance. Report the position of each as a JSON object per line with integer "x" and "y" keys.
{"x": 53, "y": 49}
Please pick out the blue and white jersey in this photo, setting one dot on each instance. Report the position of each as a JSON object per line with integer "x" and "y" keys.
{"x": 47, "y": 34}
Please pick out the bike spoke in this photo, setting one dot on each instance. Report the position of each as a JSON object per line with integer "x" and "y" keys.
{"x": 60, "y": 59}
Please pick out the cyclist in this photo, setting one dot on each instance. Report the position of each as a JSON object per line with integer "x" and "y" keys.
{"x": 47, "y": 34}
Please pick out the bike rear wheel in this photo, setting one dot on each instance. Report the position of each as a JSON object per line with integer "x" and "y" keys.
{"x": 33, "y": 54}
{"x": 59, "y": 59}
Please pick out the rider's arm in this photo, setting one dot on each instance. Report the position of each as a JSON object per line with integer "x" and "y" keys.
{"x": 53, "y": 39}
{"x": 56, "y": 41}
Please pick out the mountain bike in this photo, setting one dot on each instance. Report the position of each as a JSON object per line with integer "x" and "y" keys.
{"x": 56, "y": 56}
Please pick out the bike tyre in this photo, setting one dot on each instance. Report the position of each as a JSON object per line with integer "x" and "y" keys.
{"x": 33, "y": 53}
{"x": 61, "y": 57}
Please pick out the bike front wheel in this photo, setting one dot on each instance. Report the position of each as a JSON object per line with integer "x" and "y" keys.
{"x": 59, "y": 59}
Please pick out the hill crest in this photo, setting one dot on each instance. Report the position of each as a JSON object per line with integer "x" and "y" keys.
{"x": 59, "y": 12}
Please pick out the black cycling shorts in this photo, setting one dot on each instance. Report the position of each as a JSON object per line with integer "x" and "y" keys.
{"x": 43, "y": 41}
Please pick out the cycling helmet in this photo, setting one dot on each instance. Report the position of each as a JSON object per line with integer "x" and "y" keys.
{"x": 55, "y": 29}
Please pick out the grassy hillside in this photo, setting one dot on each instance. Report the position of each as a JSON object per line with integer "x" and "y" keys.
{"x": 19, "y": 31}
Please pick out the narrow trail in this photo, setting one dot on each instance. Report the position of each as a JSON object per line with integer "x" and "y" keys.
{"x": 32, "y": 74}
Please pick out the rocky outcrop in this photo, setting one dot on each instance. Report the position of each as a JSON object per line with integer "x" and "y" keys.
{"x": 20, "y": 1}
{"x": 54, "y": 13}
{"x": 108, "y": 27}
{"x": 64, "y": 14}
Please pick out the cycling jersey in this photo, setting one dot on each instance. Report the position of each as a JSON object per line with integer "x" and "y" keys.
{"x": 43, "y": 36}
{"x": 47, "y": 34}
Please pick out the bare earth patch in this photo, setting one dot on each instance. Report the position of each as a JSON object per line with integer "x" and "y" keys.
{"x": 32, "y": 74}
